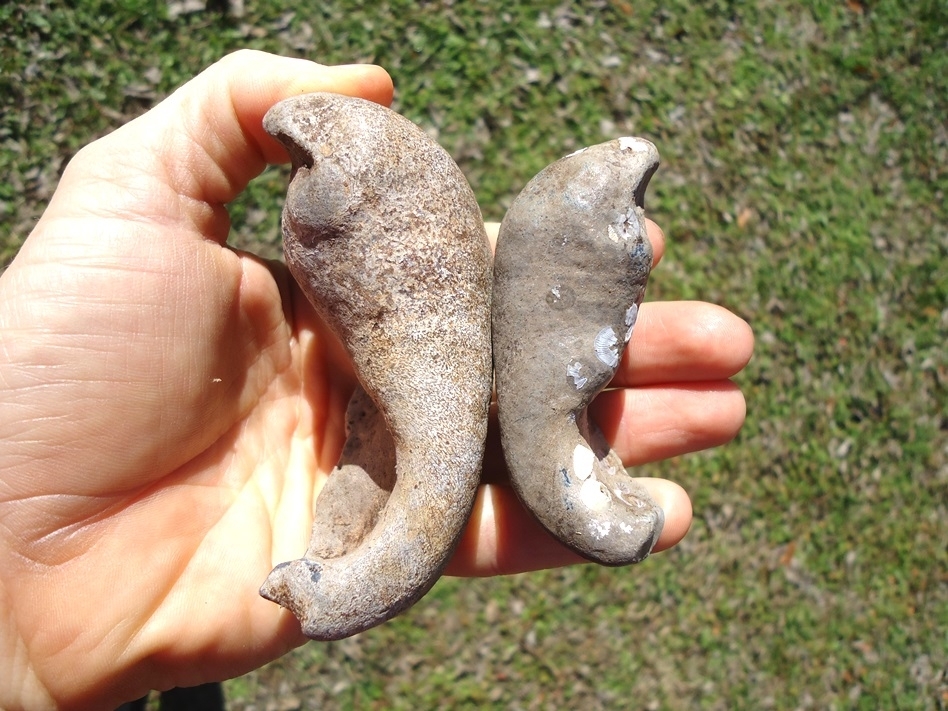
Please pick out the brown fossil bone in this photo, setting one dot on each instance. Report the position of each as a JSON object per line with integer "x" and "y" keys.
{"x": 570, "y": 270}
{"x": 384, "y": 236}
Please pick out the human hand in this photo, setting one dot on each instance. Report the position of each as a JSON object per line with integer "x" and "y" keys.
{"x": 169, "y": 409}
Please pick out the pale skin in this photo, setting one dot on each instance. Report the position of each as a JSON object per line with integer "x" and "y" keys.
{"x": 170, "y": 407}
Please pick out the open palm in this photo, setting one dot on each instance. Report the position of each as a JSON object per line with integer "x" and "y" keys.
{"x": 169, "y": 407}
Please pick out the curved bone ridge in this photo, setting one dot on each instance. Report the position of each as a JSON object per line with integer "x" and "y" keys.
{"x": 384, "y": 236}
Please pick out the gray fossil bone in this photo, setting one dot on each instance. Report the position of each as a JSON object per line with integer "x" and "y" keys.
{"x": 385, "y": 238}
{"x": 570, "y": 271}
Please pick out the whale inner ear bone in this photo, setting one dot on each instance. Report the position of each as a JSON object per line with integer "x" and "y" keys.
{"x": 552, "y": 356}
{"x": 409, "y": 299}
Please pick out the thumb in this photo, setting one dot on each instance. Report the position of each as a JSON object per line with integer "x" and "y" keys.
{"x": 198, "y": 149}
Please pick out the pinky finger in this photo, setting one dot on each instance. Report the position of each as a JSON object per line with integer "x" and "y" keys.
{"x": 502, "y": 538}
{"x": 661, "y": 421}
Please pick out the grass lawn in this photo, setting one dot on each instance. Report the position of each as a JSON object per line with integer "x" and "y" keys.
{"x": 803, "y": 186}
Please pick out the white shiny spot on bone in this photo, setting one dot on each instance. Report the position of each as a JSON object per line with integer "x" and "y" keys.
{"x": 631, "y": 316}
{"x": 572, "y": 371}
{"x": 630, "y": 143}
{"x": 599, "y": 529}
{"x": 628, "y": 226}
{"x": 633, "y": 502}
{"x": 606, "y": 346}
{"x": 583, "y": 459}
{"x": 594, "y": 495}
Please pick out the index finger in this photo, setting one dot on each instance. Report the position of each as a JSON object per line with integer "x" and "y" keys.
{"x": 202, "y": 145}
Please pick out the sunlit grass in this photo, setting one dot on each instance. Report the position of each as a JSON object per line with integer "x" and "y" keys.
{"x": 803, "y": 186}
